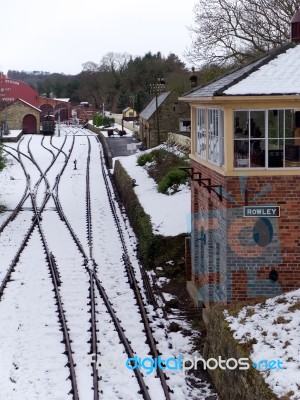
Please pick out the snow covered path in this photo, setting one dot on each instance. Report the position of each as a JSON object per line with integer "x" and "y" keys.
{"x": 32, "y": 360}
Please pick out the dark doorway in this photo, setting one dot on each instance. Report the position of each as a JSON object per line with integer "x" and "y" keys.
{"x": 29, "y": 124}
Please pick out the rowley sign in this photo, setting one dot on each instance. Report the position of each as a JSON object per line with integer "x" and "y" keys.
{"x": 262, "y": 211}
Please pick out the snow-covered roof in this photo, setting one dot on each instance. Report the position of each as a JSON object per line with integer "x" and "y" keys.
{"x": 23, "y": 101}
{"x": 62, "y": 100}
{"x": 277, "y": 73}
{"x": 151, "y": 107}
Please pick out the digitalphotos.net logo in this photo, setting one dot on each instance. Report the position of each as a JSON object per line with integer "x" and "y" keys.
{"x": 182, "y": 364}
{"x": 185, "y": 364}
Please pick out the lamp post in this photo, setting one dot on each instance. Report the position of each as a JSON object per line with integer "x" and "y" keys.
{"x": 58, "y": 118}
{"x": 133, "y": 99}
{"x": 156, "y": 89}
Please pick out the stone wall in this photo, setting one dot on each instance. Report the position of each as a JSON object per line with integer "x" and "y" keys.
{"x": 232, "y": 384}
{"x": 106, "y": 150}
{"x": 154, "y": 250}
{"x": 228, "y": 265}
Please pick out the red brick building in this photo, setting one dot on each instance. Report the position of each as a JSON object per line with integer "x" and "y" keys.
{"x": 245, "y": 170}
{"x": 12, "y": 89}
{"x": 21, "y": 108}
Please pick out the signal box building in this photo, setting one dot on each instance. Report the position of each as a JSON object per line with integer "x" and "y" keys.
{"x": 245, "y": 182}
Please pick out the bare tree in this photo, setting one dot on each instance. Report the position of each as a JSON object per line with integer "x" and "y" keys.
{"x": 234, "y": 31}
{"x": 91, "y": 88}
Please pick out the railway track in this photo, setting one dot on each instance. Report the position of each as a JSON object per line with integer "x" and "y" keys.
{"x": 134, "y": 284}
{"x": 49, "y": 256}
{"x": 90, "y": 266}
{"x": 143, "y": 296}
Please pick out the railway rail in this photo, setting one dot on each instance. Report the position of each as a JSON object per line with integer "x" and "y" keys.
{"x": 49, "y": 258}
{"x": 90, "y": 266}
{"x": 143, "y": 296}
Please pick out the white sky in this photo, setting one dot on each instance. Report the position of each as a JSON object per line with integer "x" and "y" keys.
{"x": 69, "y": 33}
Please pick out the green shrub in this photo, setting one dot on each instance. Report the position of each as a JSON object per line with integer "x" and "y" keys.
{"x": 144, "y": 158}
{"x": 99, "y": 120}
{"x": 174, "y": 177}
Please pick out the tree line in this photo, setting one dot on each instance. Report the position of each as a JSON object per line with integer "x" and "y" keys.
{"x": 118, "y": 81}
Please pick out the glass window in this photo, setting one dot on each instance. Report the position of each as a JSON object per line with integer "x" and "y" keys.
{"x": 269, "y": 138}
{"x": 249, "y": 139}
{"x": 201, "y": 132}
{"x": 216, "y": 136}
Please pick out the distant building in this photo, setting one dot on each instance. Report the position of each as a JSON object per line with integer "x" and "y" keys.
{"x": 129, "y": 114}
{"x": 20, "y": 115}
{"x": 164, "y": 114}
{"x": 12, "y": 89}
{"x": 60, "y": 108}
{"x": 21, "y": 108}
{"x": 18, "y": 106}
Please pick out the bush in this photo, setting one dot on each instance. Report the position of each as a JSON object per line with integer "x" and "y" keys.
{"x": 99, "y": 120}
{"x": 144, "y": 158}
{"x": 174, "y": 177}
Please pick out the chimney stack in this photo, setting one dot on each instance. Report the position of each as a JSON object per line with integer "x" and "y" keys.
{"x": 295, "y": 27}
{"x": 193, "y": 79}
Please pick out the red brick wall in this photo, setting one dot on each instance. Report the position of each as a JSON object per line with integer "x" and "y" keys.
{"x": 245, "y": 266}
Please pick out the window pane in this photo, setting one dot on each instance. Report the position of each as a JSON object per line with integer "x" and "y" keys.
{"x": 221, "y": 137}
{"x": 256, "y": 124}
{"x": 201, "y": 132}
{"x": 257, "y": 153}
{"x": 212, "y": 135}
{"x": 240, "y": 124}
{"x": 214, "y": 140}
{"x": 276, "y": 123}
{"x": 289, "y": 123}
{"x": 275, "y": 153}
{"x": 292, "y": 154}
{"x": 241, "y": 153}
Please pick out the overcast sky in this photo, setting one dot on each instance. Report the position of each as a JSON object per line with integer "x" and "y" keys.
{"x": 69, "y": 33}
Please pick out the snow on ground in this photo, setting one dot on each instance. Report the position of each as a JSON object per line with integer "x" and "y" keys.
{"x": 31, "y": 353}
{"x": 273, "y": 327}
{"x": 14, "y": 183}
{"x": 13, "y": 133}
{"x": 116, "y": 128}
{"x": 20, "y": 321}
{"x": 169, "y": 214}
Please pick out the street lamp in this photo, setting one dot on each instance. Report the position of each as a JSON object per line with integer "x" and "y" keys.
{"x": 133, "y": 99}
{"x": 156, "y": 89}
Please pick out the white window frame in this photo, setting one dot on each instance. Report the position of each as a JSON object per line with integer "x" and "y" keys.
{"x": 216, "y": 136}
{"x": 209, "y": 135}
{"x": 200, "y": 133}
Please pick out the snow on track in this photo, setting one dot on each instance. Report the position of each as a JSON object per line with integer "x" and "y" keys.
{"x": 32, "y": 363}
